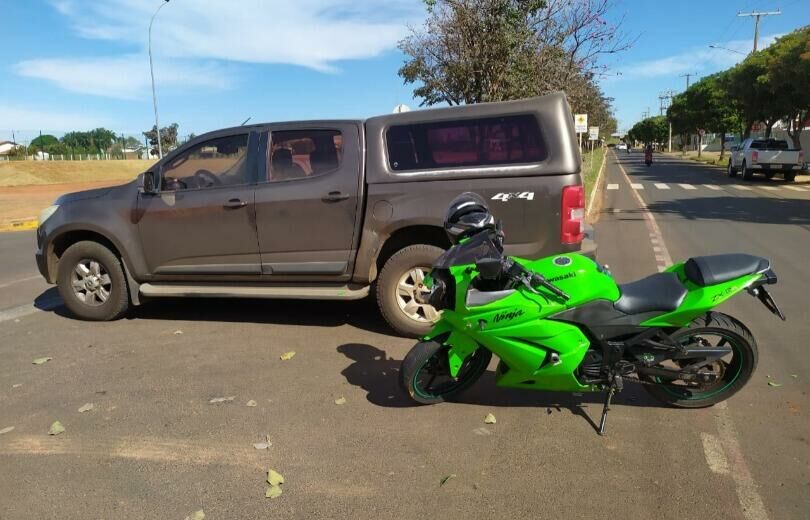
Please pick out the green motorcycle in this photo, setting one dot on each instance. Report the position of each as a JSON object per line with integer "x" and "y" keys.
{"x": 563, "y": 324}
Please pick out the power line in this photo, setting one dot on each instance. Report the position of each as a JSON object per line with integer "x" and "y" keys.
{"x": 757, "y": 15}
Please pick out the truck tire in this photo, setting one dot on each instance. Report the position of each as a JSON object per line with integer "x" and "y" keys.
{"x": 732, "y": 172}
{"x": 746, "y": 173}
{"x": 91, "y": 282}
{"x": 397, "y": 285}
{"x": 790, "y": 176}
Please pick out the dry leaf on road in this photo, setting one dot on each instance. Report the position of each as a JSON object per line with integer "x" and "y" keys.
{"x": 490, "y": 419}
{"x": 56, "y": 428}
{"x": 446, "y": 478}
{"x": 178, "y": 332}
{"x": 86, "y": 407}
{"x": 6, "y": 430}
{"x": 261, "y": 445}
{"x": 41, "y": 360}
{"x": 287, "y": 355}
{"x": 340, "y": 400}
{"x": 196, "y": 515}
{"x": 774, "y": 383}
{"x": 274, "y": 478}
{"x": 251, "y": 403}
{"x": 273, "y": 492}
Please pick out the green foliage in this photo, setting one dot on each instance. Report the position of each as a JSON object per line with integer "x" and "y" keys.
{"x": 92, "y": 142}
{"x": 168, "y": 138}
{"x": 44, "y": 141}
{"x": 651, "y": 130}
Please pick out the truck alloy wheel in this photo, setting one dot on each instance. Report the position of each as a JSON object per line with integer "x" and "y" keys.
{"x": 410, "y": 287}
{"x": 91, "y": 282}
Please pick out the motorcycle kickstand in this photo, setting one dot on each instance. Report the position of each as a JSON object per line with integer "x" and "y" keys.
{"x": 616, "y": 384}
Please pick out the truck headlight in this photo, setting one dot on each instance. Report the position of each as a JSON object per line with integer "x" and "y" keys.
{"x": 46, "y": 213}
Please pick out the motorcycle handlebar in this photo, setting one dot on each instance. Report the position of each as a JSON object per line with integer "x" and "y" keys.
{"x": 540, "y": 280}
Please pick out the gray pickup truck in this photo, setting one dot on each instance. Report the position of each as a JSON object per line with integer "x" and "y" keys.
{"x": 318, "y": 209}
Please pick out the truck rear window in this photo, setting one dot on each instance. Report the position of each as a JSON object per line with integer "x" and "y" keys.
{"x": 466, "y": 142}
{"x": 769, "y": 144}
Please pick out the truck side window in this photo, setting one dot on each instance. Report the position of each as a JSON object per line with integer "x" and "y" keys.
{"x": 297, "y": 154}
{"x": 466, "y": 142}
{"x": 217, "y": 162}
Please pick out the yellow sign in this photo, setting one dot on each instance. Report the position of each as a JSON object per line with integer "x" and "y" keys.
{"x": 581, "y": 123}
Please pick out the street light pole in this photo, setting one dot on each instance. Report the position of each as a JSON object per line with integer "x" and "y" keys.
{"x": 152, "y": 73}
{"x": 757, "y": 15}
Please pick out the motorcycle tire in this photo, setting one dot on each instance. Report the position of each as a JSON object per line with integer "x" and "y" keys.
{"x": 429, "y": 357}
{"x": 735, "y": 375}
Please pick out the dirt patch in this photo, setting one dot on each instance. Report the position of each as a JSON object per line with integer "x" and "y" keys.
{"x": 25, "y": 173}
{"x": 25, "y": 202}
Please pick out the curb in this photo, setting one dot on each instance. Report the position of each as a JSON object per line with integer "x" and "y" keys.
{"x": 596, "y": 184}
{"x": 19, "y": 225}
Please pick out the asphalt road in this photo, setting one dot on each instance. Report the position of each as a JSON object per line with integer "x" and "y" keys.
{"x": 153, "y": 446}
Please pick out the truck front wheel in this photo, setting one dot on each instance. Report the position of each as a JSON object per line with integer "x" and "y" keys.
{"x": 91, "y": 282}
{"x": 400, "y": 281}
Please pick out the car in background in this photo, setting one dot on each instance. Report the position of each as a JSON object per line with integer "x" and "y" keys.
{"x": 766, "y": 156}
{"x": 622, "y": 146}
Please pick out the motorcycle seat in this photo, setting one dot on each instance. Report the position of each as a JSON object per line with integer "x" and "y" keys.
{"x": 657, "y": 292}
{"x": 714, "y": 269}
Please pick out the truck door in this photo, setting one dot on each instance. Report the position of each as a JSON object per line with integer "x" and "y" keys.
{"x": 308, "y": 202}
{"x": 202, "y": 221}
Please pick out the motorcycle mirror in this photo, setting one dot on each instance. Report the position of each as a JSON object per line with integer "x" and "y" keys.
{"x": 489, "y": 268}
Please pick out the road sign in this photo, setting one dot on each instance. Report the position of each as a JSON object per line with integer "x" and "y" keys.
{"x": 581, "y": 123}
{"x": 593, "y": 133}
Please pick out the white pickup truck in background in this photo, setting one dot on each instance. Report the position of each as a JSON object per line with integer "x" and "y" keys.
{"x": 766, "y": 156}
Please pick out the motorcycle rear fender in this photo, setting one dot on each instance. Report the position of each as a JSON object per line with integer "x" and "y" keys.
{"x": 700, "y": 300}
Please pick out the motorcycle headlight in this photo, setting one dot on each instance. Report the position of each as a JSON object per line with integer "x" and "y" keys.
{"x": 46, "y": 213}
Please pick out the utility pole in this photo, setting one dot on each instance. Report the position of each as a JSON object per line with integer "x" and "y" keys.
{"x": 666, "y": 99}
{"x": 757, "y": 15}
{"x": 687, "y": 76}
{"x": 152, "y": 73}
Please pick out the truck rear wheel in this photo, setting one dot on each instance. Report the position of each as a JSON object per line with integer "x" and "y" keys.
{"x": 91, "y": 282}
{"x": 790, "y": 176}
{"x": 747, "y": 173}
{"x": 400, "y": 280}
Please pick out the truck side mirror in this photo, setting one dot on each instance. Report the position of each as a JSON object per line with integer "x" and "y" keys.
{"x": 149, "y": 184}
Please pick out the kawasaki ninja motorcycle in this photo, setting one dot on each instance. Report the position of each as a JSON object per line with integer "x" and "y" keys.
{"x": 562, "y": 323}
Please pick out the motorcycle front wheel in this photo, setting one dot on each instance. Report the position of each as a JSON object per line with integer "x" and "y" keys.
{"x": 425, "y": 372}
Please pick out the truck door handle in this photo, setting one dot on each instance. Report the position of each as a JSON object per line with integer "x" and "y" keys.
{"x": 335, "y": 196}
{"x": 234, "y": 204}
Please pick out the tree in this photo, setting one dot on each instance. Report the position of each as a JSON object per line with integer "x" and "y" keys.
{"x": 651, "y": 130}
{"x": 168, "y": 138}
{"x": 788, "y": 68}
{"x": 473, "y": 51}
{"x": 91, "y": 142}
{"x": 44, "y": 141}
{"x": 133, "y": 143}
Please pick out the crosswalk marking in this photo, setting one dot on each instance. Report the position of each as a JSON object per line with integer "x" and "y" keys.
{"x": 687, "y": 186}
{"x": 741, "y": 188}
{"x": 770, "y": 188}
{"x": 795, "y": 188}
{"x": 661, "y": 186}
{"x": 613, "y": 186}
{"x": 636, "y": 186}
{"x": 713, "y": 186}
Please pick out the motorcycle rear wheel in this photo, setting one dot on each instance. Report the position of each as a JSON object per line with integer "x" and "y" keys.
{"x": 425, "y": 372}
{"x": 733, "y": 373}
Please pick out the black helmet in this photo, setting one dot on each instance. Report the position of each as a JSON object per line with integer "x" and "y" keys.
{"x": 467, "y": 215}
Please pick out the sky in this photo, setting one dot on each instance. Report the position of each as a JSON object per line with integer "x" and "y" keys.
{"x": 80, "y": 64}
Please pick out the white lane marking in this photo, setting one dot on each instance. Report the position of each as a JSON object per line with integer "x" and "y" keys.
{"x": 741, "y": 188}
{"x": 747, "y": 494}
{"x": 613, "y": 186}
{"x": 713, "y": 186}
{"x": 661, "y": 186}
{"x": 652, "y": 226}
{"x": 17, "y": 312}
{"x": 687, "y": 186}
{"x": 715, "y": 457}
{"x": 794, "y": 188}
{"x": 592, "y": 194}
{"x": 636, "y": 186}
{"x": 770, "y": 188}
{"x": 28, "y": 279}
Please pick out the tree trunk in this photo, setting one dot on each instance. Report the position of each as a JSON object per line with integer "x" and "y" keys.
{"x": 747, "y": 132}
{"x": 699, "y": 145}
{"x": 795, "y": 129}
{"x": 722, "y": 144}
{"x": 769, "y": 128}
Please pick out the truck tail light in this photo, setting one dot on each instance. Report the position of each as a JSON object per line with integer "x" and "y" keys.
{"x": 754, "y": 157}
{"x": 801, "y": 157}
{"x": 572, "y": 215}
